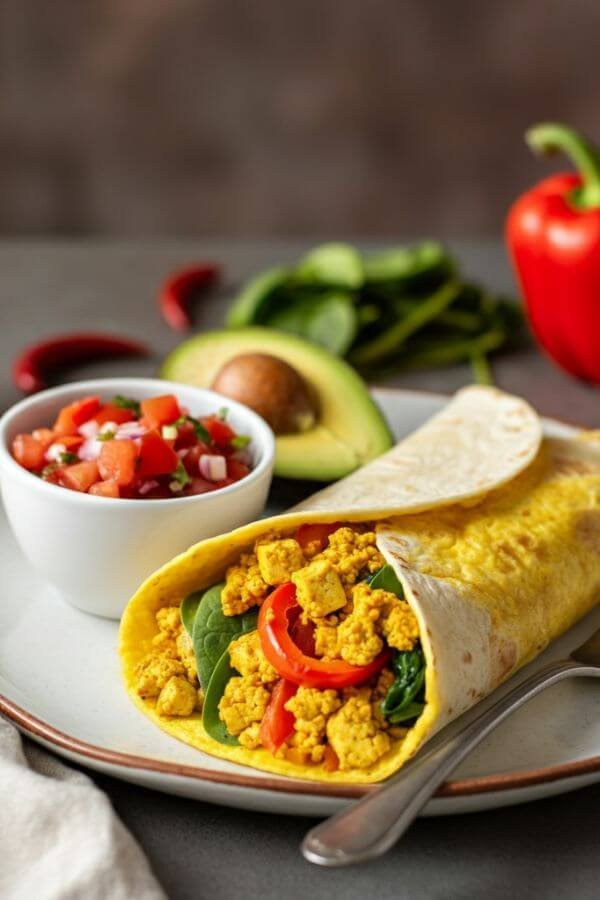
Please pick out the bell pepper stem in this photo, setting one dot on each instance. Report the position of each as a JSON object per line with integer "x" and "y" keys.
{"x": 552, "y": 137}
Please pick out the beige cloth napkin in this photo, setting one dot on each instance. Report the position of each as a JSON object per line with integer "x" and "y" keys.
{"x": 59, "y": 835}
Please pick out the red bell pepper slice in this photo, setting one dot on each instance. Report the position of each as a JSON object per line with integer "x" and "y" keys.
{"x": 157, "y": 457}
{"x": 310, "y": 534}
{"x": 294, "y": 665}
{"x": 278, "y": 722}
{"x": 117, "y": 462}
{"x": 72, "y": 416}
{"x": 158, "y": 411}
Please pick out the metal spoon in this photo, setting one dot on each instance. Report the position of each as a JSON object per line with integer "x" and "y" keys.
{"x": 371, "y": 826}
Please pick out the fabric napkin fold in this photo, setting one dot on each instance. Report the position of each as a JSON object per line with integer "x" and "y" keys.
{"x": 59, "y": 835}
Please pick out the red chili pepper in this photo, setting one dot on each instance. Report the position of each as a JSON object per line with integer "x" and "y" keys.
{"x": 553, "y": 235}
{"x": 176, "y": 293}
{"x": 32, "y": 366}
{"x": 288, "y": 659}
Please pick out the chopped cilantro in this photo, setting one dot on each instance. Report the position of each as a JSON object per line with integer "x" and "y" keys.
{"x": 199, "y": 429}
{"x": 67, "y": 458}
{"x": 127, "y": 403}
{"x": 223, "y": 413}
{"x": 240, "y": 441}
{"x": 105, "y": 435}
{"x": 180, "y": 477}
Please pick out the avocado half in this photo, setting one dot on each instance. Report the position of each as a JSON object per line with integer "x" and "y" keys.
{"x": 351, "y": 429}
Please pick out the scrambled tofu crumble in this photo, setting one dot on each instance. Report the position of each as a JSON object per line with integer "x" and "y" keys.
{"x": 167, "y": 673}
{"x": 352, "y": 622}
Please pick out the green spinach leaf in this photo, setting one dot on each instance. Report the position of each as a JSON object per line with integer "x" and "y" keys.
{"x": 188, "y": 610}
{"x": 386, "y": 579}
{"x": 213, "y": 725}
{"x": 406, "y": 698}
{"x": 213, "y": 631}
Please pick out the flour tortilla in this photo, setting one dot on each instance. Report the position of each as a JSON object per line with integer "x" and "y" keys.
{"x": 493, "y": 532}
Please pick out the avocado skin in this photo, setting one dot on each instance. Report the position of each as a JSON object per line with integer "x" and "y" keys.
{"x": 351, "y": 429}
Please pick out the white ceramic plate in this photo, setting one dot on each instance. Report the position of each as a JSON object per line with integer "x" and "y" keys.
{"x": 60, "y": 683}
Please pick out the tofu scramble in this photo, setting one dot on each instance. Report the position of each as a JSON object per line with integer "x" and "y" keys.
{"x": 329, "y": 671}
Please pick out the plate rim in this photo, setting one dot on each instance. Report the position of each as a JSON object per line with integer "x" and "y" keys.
{"x": 485, "y": 784}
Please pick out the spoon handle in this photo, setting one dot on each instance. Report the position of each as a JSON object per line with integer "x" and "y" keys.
{"x": 371, "y": 826}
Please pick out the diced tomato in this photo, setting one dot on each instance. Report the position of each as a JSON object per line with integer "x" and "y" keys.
{"x": 278, "y": 722}
{"x": 200, "y": 486}
{"x": 311, "y": 534}
{"x": 70, "y": 441}
{"x": 110, "y": 412}
{"x": 28, "y": 451}
{"x": 236, "y": 470}
{"x": 186, "y": 436}
{"x": 45, "y": 436}
{"x": 117, "y": 462}
{"x": 105, "y": 489}
{"x": 158, "y": 411}
{"x": 81, "y": 476}
{"x": 219, "y": 431}
{"x": 225, "y": 482}
{"x": 72, "y": 416}
{"x": 53, "y": 474}
{"x": 157, "y": 457}
{"x": 191, "y": 460}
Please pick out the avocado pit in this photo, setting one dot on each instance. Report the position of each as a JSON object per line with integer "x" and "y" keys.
{"x": 272, "y": 388}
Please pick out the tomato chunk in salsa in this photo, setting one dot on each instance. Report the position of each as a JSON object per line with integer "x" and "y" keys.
{"x": 148, "y": 450}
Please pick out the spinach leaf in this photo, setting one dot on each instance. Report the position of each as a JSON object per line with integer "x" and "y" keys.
{"x": 330, "y": 320}
{"x": 188, "y": 610}
{"x": 338, "y": 265}
{"x": 386, "y": 579}
{"x": 213, "y": 631}
{"x": 406, "y": 698}
{"x": 213, "y": 725}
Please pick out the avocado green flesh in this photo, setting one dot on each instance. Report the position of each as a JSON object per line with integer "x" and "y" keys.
{"x": 351, "y": 429}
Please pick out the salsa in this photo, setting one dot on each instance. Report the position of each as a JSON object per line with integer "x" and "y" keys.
{"x": 148, "y": 450}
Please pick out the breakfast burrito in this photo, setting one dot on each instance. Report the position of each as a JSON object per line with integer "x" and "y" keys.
{"x": 331, "y": 642}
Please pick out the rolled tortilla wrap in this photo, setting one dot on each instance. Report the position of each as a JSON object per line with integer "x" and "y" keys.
{"x": 493, "y": 532}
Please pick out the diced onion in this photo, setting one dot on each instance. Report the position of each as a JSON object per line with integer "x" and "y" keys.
{"x": 90, "y": 449}
{"x": 54, "y": 451}
{"x": 169, "y": 432}
{"x": 213, "y": 468}
{"x": 147, "y": 486}
{"x": 89, "y": 429}
{"x": 129, "y": 431}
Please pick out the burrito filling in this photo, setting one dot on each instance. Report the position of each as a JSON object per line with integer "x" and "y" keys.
{"x": 308, "y": 649}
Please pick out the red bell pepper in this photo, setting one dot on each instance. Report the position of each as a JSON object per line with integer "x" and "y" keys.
{"x": 278, "y": 722}
{"x": 553, "y": 235}
{"x": 288, "y": 659}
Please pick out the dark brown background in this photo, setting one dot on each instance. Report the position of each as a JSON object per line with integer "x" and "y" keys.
{"x": 313, "y": 117}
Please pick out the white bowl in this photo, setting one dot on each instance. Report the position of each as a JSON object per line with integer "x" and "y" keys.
{"x": 95, "y": 550}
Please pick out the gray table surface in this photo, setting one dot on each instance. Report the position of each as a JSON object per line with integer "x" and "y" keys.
{"x": 545, "y": 849}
